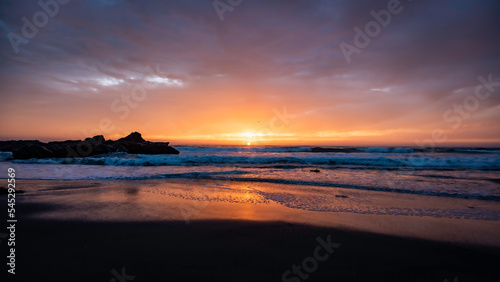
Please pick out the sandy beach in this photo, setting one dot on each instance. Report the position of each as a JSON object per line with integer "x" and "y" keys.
{"x": 180, "y": 230}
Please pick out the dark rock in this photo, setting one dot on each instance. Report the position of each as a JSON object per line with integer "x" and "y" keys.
{"x": 134, "y": 137}
{"x": 29, "y": 151}
{"x": 98, "y": 139}
{"x": 132, "y": 144}
{"x": 63, "y": 142}
{"x": 151, "y": 148}
{"x": 9, "y": 146}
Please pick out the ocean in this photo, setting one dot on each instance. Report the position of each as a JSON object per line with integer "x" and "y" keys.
{"x": 470, "y": 173}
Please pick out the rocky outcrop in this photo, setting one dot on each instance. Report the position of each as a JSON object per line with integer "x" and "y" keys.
{"x": 9, "y": 146}
{"x": 132, "y": 144}
{"x": 134, "y": 137}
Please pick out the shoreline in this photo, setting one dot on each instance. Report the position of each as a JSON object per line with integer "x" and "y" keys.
{"x": 431, "y": 218}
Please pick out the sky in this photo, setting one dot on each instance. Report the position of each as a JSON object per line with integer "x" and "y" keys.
{"x": 413, "y": 73}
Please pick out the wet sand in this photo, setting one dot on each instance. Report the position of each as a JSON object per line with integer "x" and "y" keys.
{"x": 226, "y": 231}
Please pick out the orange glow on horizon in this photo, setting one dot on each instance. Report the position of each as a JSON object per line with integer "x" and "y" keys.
{"x": 182, "y": 116}
{"x": 249, "y": 138}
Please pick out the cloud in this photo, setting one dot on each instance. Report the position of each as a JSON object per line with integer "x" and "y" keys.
{"x": 265, "y": 54}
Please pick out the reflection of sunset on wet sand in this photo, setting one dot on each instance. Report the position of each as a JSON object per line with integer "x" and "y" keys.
{"x": 402, "y": 215}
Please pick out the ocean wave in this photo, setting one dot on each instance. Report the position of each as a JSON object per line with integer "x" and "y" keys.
{"x": 5, "y": 155}
{"x": 419, "y": 160}
{"x": 478, "y": 150}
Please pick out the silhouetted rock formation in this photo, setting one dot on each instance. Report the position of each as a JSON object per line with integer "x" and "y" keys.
{"x": 132, "y": 144}
{"x": 9, "y": 146}
{"x": 134, "y": 137}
